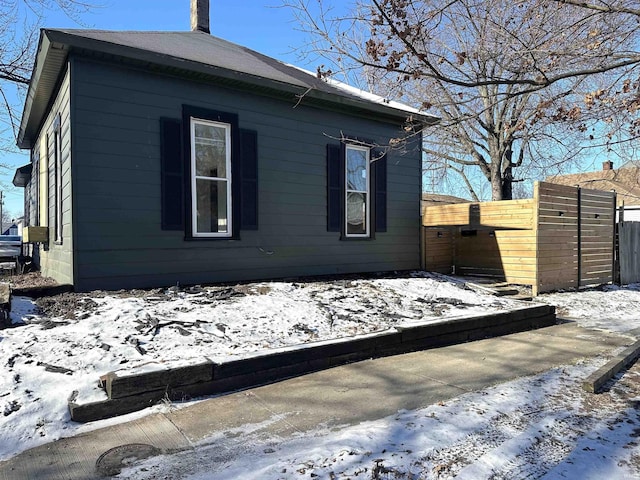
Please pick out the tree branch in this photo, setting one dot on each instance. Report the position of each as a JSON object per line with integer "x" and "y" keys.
{"x": 466, "y": 181}
{"x": 600, "y": 8}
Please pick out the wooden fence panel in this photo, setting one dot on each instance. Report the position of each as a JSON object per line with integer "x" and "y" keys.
{"x": 518, "y": 252}
{"x": 516, "y": 214}
{"x": 506, "y": 254}
{"x": 560, "y": 239}
{"x": 556, "y": 237}
{"x": 597, "y": 217}
{"x": 438, "y": 249}
{"x": 629, "y": 235}
{"x": 574, "y": 236}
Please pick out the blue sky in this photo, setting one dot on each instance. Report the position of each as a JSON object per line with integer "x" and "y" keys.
{"x": 261, "y": 25}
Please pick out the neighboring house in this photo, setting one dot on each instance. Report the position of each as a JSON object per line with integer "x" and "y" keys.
{"x": 164, "y": 157}
{"x": 433, "y": 199}
{"x": 19, "y": 224}
{"x": 12, "y": 230}
{"x": 624, "y": 181}
{"x": 629, "y": 213}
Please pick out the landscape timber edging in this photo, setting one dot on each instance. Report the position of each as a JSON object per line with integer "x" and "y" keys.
{"x": 597, "y": 379}
{"x": 129, "y": 393}
{"x": 42, "y": 291}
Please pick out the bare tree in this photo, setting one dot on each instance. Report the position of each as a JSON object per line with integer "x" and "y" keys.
{"x": 629, "y": 7}
{"x": 509, "y": 78}
{"x": 614, "y": 103}
{"x": 7, "y": 219}
{"x": 20, "y": 22}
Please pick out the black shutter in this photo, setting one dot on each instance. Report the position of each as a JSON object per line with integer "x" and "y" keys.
{"x": 249, "y": 182}
{"x": 172, "y": 171}
{"x": 380, "y": 191}
{"x": 334, "y": 188}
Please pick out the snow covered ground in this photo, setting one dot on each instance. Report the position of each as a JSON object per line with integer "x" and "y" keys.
{"x": 520, "y": 429}
{"x": 74, "y": 338}
{"x": 611, "y": 308}
{"x": 544, "y": 426}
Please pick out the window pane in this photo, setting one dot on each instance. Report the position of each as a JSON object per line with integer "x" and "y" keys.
{"x": 356, "y": 170}
{"x": 211, "y": 204}
{"x": 211, "y": 151}
{"x": 356, "y": 213}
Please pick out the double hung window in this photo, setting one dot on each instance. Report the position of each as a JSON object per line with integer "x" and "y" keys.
{"x": 209, "y": 175}
{"x": 357, "y": 191}
{"x": 211, "y": 178}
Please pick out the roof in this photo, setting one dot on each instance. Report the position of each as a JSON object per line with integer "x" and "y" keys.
{"x": 630, "y": 163}
{"x": 22, "y": 175}
{"x": 624, "y": 181}
{"x": 444, "y": 199}
{"x": 193, "y": 53}
{"x": 433, "y": 199}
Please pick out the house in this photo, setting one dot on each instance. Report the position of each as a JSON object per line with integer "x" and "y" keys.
{"x": 164, "y": 157}
{"x": 625, "y": 181}
{"x": 13, "y": 229}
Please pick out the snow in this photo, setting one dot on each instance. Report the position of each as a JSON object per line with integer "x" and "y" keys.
{"x": 610, "y": 308}
{"x": 371, "y": 97}
{"x": 543, "y": 426}
{"x": 536, "y": 427}
{"x": 114, "y": 332}
{"x": 540, "y": 426}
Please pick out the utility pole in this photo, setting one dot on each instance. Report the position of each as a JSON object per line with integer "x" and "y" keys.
{"x": 1, "y": 212}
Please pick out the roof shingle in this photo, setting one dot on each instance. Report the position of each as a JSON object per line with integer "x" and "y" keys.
{"x": 197, "y": 52}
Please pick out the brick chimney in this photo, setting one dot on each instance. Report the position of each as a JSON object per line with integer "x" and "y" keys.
{"x": 200, "y": 16}
{"x": 608, "y": 165}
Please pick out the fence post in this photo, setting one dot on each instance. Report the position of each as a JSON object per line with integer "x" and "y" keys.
{"x": 615, "y": 273}
{"x": 535, "y": 288}
{"x": 423, "y": 247}
{"x": 579, "y": 238}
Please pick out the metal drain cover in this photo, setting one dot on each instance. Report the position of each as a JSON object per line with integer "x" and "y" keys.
{"x": 115, "y": 459}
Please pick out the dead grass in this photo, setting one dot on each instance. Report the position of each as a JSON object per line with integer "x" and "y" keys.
{"x": 28, "y": 280}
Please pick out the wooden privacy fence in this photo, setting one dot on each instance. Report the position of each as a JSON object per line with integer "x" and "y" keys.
{"x": 629, "y": 245}
{"x": 561, "y": 238}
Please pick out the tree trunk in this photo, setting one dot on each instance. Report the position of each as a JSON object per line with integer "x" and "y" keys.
{"x": 496, "y": 186}
{"x": 507, "y": 184}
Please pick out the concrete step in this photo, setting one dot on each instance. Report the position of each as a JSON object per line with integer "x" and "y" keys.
{"x": 498, "y": 289}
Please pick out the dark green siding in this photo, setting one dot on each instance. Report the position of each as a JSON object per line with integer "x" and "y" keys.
{"x": 56, "y": 260}
{"x": 117, "y": 217}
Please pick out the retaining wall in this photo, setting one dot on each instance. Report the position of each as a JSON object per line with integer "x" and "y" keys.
{"x": 131, "y": 391}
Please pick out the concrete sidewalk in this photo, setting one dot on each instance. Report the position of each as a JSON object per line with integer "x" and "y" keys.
{"x": 338, "y": 396}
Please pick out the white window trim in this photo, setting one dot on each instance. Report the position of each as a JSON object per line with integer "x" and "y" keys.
{"x": 194, "y": 177}
{"x": 58, "y": 181}
{"x": 367, "y": 192}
